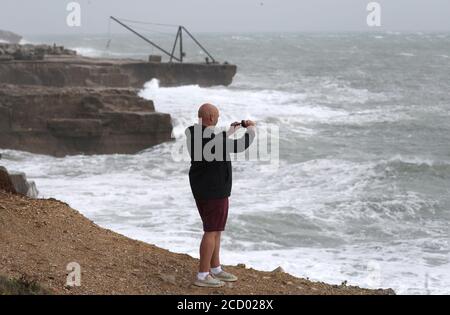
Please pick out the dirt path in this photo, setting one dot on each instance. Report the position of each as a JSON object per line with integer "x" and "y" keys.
{"x": 38, "y": 238}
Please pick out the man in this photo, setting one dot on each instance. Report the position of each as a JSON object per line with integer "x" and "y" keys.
{"x": 210, "y": 178}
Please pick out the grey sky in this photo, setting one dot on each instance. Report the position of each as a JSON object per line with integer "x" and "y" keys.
{"x": 49, "y": 16}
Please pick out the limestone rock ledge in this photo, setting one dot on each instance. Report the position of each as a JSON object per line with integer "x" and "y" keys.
{"x": 9, "y": 37}
{"x": 16, "y": 182}
{"x": 57, "y": 66}
{"x": 79, "y": 120}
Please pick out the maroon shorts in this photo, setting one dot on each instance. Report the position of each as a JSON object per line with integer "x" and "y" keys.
{"x": 214, "y": 213}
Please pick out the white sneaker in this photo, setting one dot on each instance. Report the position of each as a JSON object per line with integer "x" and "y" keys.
{"x": 225, "y": 276}
{"x": 209, "y": 282}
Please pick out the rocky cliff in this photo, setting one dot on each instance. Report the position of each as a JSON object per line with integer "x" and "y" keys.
{"x": 65, "y": 121}
{"x": 57, "y": 66}
{"x": 32, "y": 52}
{"x": 17, "y": 183}
{"x": 9, "y": 37}
{"x": 53, "y": 101}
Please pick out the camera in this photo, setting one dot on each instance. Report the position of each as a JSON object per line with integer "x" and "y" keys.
{"x": 242, "y": 123}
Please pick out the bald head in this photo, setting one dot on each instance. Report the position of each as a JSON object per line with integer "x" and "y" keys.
{"x": 208, "y": 115}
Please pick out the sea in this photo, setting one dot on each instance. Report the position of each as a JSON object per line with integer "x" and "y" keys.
{"x": 361, "y": 189}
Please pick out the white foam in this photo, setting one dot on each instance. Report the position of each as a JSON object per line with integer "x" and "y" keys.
{"x": 241, "y": 38}
{"x": 93, "y": 52}
{"x": 287, "y": 109}
{"x": 89, "y": 52}
{"x": 406, "y": 54}
{"x": 24, "y": 41}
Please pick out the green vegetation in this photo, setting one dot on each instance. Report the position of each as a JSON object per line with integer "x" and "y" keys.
{"x": 20, "y": 286}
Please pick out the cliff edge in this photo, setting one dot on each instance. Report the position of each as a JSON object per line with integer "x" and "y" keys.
{"x": 40, "y": 237}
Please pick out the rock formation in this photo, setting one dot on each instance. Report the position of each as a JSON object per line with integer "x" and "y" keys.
{"x": 53, "y": 101}
{"x": 16, "y": 182}
{"x": 57, "y": 66}
{"x": 32, "y": 52}
{"x": 5, "y": 181}
{"x": 66, "y": 121}
{"x": 9, "y": 37}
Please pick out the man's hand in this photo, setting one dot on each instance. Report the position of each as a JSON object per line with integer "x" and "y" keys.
{"x": 250, "y": 123}
{"x": 233, "y": 128}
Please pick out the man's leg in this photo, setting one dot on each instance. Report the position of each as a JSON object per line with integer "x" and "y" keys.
{"x": 216, "y": 268}
{"x": 207, "y": 247}
{"x": 215, "y": 260}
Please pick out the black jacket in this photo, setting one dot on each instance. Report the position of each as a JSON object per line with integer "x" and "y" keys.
{"x": 210, "y": 175}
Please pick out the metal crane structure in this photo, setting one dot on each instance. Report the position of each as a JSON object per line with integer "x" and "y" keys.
{"x": 178, "y": 41}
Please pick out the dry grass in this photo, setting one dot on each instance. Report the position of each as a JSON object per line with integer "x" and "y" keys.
{"x": 20, "y": 286}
